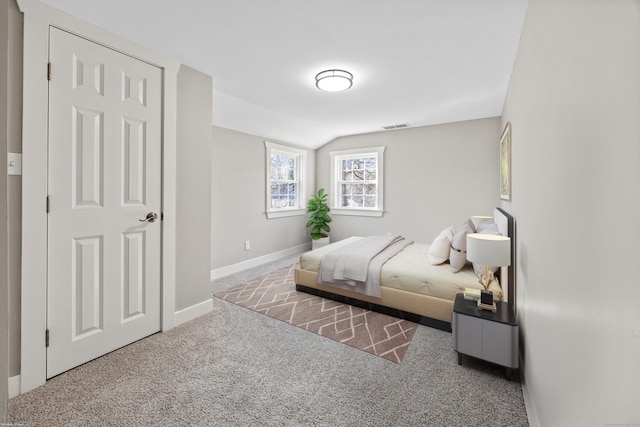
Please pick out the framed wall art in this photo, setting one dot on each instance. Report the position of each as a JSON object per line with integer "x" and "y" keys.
{"x": 505, "y": 163}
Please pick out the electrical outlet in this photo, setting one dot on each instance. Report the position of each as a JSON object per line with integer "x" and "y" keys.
{"x": 247, "y": 245}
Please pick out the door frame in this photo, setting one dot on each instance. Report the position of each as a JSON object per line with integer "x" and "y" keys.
{"x": 38, "y": 18}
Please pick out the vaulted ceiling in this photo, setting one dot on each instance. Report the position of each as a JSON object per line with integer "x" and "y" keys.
{"x": 415, "y": 62}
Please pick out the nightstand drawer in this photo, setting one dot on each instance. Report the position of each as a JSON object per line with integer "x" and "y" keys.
{"x": 499, "y": 344}
{"x": 467, "y": 335}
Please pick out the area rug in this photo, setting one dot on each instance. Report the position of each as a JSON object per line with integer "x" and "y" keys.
{"x": 275, "y": 295}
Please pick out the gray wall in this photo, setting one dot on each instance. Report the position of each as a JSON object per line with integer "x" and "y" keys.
{"x": 12, "y": 142}
{"x": 239, "y": 197}
{"x": 435, "y": 176}
{"x": 193, "y": 199}
{"x": 4, "y": 238}
{"x": 574, "y": 103}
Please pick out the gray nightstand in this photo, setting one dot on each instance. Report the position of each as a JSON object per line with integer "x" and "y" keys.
{"x": 484, "y": 334}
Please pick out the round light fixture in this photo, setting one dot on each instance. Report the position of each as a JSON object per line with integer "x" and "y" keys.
{"x": 334, "y": 80}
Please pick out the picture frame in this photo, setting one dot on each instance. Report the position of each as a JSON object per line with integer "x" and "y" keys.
{"x": 505, "y": 163}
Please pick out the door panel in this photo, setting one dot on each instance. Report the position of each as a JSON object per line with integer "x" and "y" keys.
{"x": 104, "y": 178}
{"x": 133, "y": 283}
{"x": 86, "y": 285}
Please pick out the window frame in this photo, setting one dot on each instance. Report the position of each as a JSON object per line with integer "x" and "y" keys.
{"x": 300, "y": 157}
{"x": 336, "y": 158}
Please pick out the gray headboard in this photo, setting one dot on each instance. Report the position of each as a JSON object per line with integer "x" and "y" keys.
{"x": 506, "y": 225}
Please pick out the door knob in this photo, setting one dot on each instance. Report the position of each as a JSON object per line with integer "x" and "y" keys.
{"x": 151, "y": 217}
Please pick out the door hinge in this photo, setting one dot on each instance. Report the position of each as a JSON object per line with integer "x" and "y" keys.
{"x": 48, "y": 70}
{"x": 47, "y": 204}
{"x": 46, "y": 338}
{"x": 161, "y": 216}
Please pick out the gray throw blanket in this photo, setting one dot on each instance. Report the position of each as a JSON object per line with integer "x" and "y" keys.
{"x": 356, "y": 266}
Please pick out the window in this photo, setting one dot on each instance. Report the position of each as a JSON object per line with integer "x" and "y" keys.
{"x": 357, "y": 181}
{"x": 285, "y": 180}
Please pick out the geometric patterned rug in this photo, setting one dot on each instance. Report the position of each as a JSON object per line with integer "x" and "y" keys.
{"x": 275, "y": 295}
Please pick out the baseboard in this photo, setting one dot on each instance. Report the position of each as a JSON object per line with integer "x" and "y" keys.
{"x": 236, "y": 268}
{"x": 529, "y": 404}
{"x": 196, "y": 310}
{"x": 14, "y": 386}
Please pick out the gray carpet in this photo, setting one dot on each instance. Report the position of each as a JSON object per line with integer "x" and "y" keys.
{"x": 236, "y": 367}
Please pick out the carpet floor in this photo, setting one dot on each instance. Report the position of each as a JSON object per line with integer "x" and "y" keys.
{"x": 234, "y": 367}
{"x": 275, "y": 295}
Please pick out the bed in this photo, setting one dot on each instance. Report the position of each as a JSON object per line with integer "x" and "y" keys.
{"x": 426, "y": 292}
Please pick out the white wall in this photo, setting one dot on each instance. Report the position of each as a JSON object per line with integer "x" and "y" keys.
{"x": 574, "y": 104}
{"x": 239, "y": 201}
{"x": 435, "y": 176}
{"x": 193, "y": 195}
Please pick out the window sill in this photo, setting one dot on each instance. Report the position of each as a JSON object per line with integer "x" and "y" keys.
{"x": 357, "y": 212}
{"x": 285, "y": 213}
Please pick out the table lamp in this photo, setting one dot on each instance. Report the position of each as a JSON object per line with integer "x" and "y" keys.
{"x": 489, "y": 250}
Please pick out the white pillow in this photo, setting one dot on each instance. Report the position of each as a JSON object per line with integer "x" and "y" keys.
{"x": 458, "y": 253}
{"x": 441, "y": 246}
{"x": 486, "y": 228}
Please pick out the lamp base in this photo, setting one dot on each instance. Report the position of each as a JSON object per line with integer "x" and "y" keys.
{"x": 488, "y": 307}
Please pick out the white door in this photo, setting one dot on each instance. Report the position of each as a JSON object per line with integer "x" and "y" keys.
{"x": 104, "y": 179}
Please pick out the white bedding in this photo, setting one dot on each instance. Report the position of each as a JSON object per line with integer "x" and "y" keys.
{"x": 411, "y": 271}
{"x": 357, "y": 266}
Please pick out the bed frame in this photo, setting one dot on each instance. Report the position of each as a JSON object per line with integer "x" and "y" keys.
{"x": 418, "y": 308}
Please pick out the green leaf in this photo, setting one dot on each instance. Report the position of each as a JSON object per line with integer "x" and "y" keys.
{"x": 318, "y": 210}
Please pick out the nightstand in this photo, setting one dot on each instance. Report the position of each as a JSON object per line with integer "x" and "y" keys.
{"x": 484, "y": 334}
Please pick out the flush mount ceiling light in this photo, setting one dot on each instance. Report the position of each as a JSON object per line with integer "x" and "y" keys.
{"x": 334, "y": 80}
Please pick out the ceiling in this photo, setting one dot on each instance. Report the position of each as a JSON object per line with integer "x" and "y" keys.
{"x": 418, "y": 62}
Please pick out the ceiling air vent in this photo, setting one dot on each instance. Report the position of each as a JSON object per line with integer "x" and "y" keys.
{"x": 400, "y": 126}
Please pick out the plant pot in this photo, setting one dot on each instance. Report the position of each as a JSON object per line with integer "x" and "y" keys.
{"x": 323, "y": 241}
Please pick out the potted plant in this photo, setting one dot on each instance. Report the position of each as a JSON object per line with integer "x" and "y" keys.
{"x": 319, "y": 219}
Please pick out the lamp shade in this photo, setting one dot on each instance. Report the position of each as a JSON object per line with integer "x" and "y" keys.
{"x": 489, "y": 249}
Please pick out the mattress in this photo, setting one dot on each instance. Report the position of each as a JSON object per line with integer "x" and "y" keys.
{"x": 411, "y": 271}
